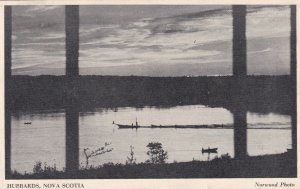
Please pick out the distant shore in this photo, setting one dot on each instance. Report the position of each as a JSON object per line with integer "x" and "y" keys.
{"x": 260, "y": 94}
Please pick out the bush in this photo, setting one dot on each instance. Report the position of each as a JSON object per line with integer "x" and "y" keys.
{"x": 225, "y": 157}
{"x": 37, "y": 168}
{"x": 131, "y": 159}
{"x": 156, "y": 153}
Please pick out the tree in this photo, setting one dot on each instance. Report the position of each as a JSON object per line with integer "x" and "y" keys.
{"x": 131, "y": 159}
{"x": 97, "y": 152}
{"x": 37, "y": 168}
{"x": 156, "y": 153}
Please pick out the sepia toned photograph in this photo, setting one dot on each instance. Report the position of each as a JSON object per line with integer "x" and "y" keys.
{"x": 150, "y": 91}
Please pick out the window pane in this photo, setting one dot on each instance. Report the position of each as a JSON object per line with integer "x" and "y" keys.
{"x": 38, "y": 40}
{"x": 268, "y": 43}
{"x": 37, "y": 136}
{"x": 268, "y": 133}
{"x": 155, "y": 40}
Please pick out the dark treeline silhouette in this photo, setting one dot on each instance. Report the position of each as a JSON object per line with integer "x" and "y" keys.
{"x": 261, "y": 94}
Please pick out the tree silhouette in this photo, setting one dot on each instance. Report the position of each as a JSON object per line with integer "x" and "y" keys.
{"x": 156, "y": 153}
{"x": 131, "y": 159}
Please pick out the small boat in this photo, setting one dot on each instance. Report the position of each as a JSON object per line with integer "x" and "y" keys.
{"x": 127, "y": 126}
{"x": 210, "y": 150}
{"x": 132, "y": 126}
{"x": 27, "y": 123}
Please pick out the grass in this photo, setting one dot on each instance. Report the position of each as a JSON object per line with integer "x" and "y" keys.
{"x": 267, "y": 166}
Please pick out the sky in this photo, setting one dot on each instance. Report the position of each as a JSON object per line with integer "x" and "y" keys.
{"x": 150, "y": 40}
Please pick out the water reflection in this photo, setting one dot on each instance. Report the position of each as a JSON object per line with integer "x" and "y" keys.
{"x": 44, "y": 140}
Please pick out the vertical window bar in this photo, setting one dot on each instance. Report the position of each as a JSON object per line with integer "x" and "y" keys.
{"x": 8, "y": 36}
{"x": 72, "y": 40}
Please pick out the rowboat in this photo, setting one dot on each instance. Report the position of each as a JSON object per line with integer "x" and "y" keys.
{"x": 210, "y": 150}
{"x": 132, "y": 126}
{"x": 127, "y": 126}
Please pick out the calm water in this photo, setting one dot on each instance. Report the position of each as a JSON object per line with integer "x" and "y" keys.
{"x": 44, "y": 140}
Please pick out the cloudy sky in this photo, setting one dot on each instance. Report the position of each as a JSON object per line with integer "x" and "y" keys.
{"x": 149, "y": 40}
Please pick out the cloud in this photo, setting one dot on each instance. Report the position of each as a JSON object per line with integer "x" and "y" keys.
{"x": 141, "y": 39}
{"x": 41, "y": 8}
{"x": 261, "y": 51}
{"x": 268, "y": 22}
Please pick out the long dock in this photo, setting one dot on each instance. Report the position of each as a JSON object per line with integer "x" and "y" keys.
{"x": 212, "y": 126}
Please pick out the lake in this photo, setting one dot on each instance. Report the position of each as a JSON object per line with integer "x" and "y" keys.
{"x": 44, "y": 139}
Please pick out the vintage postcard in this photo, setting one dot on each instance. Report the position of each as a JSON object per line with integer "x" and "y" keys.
{"x": 129, "y": 94}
